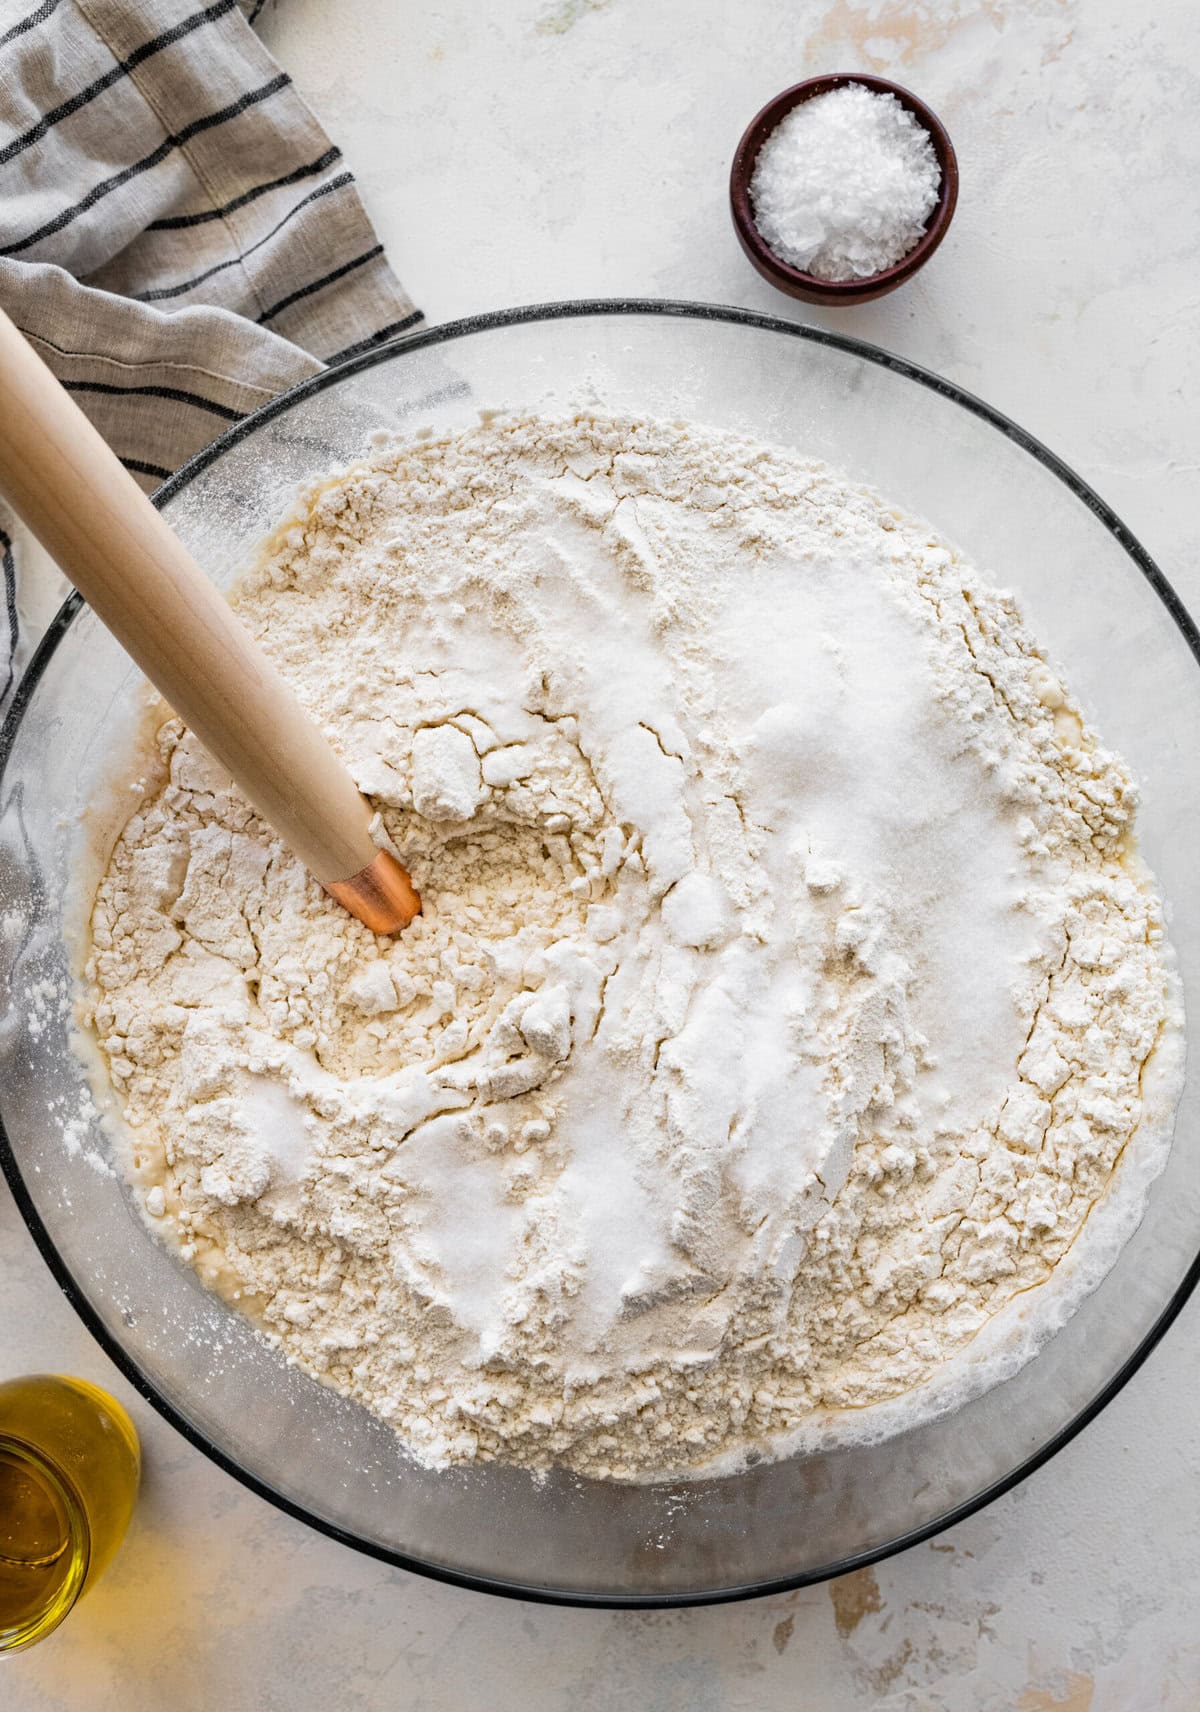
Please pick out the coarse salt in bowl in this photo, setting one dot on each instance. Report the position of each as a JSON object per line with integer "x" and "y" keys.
{"x": 844, "y": 204}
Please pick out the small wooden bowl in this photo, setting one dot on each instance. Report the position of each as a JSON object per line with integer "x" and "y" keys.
{"x": 834, "y": 291}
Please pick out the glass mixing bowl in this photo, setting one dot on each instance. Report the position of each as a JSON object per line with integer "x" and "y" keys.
{"x": 1092, "y": 596}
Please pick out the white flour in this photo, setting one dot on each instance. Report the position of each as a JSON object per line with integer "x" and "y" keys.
{"x": 785, "y": 984}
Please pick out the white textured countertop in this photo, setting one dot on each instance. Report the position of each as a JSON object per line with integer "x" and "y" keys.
{"x": 540, "y": 149}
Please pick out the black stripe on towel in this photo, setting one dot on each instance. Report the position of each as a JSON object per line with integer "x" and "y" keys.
{"x": 10, "y": 607}
{"x": 166, "y": 147}
{"x": 320, "y": 284}
{"x": 30, "y": 23}
{"x": 384, "y": 333}
{"x": 142, "y": 469}
{"x": 177, "y": 394}
{"x": 174, "y": 221}
{"x": 114, "y": 74}
{"x": 162, "y": 291}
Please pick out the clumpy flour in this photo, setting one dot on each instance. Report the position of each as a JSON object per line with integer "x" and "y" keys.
{"x": 787, "y": 992}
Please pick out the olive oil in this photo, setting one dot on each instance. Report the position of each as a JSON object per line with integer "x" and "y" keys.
{"x": 69, "y": 1469}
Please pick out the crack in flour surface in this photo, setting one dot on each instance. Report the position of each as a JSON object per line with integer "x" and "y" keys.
{"x": 785, "y": 993}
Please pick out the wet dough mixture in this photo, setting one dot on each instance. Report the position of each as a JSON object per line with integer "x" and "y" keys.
{"x": 786, "y": 986}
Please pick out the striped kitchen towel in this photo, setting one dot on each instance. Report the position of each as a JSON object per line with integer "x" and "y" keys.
{"x": 178, "y": 236}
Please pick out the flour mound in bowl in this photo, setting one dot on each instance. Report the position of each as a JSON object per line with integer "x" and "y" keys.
{"x": 787, "y": 988}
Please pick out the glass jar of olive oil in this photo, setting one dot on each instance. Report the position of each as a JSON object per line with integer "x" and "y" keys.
{"x": 69, "y": 1469}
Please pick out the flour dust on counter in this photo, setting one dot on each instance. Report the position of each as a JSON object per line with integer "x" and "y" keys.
{"x": 788, "y": 998}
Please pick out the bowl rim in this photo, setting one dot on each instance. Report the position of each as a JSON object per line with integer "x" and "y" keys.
{"x": 447, "y": 332}
{"x": 806, "y": 286}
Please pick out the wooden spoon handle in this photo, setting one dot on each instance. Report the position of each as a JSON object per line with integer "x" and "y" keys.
{"x": 143, "y": 584}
